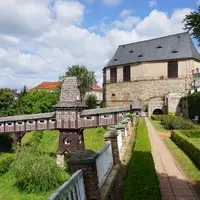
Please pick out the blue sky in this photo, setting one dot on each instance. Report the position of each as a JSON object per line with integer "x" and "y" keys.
{"x": 39, "y": 39}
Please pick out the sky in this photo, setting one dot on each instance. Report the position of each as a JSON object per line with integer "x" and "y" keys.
{"x": 40, "y": 39}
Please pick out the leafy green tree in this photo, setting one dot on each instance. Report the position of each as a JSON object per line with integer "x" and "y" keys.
{"x": 85, "y": 78}
{"x": 192, "y": 24}
{"x": 7, "y": 101}
{"x": 91, "y": 101}
{"x": 39, "y": 101}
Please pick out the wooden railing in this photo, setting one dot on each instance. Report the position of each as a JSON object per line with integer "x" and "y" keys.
{"x": 104, "y": 163}
{"x": 72, "y": 189}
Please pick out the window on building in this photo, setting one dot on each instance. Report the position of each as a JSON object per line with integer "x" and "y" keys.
{"x": 172, "y": 69}
{"x": 127, "y": 73}
{"x": 113, "y": 75}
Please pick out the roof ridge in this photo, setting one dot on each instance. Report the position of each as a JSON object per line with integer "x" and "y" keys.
{"x": 182, "y": 33}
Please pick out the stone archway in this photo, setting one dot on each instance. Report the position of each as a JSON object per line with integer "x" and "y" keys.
{"x": 157, "y": 112}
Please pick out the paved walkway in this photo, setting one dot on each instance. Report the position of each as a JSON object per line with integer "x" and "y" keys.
{"x": 173, "y": 184}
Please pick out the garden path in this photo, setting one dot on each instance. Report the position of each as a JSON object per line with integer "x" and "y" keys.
{"x": 173, "y": 184}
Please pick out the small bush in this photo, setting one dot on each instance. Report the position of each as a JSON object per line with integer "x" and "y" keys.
{"x": 100, "y": 130}
{"x": 157, "y": 117}
{"x": 188, "y": 147}
{"x": 35, "y": 172}
{"x": 5, "y": 161}
{"x": 177, "y": 123}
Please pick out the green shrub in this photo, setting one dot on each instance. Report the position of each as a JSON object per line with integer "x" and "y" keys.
{"x": 187, "y": 146}
{"x": 191, "y": 133}
{"x": 36, "y": 139}
{"x": 5, "y": 161}
{"x": 36, "y": 172}
{"x": 141, "y": 182}
{"x": 177, "y": 123}
{"x": 157, "y": 117}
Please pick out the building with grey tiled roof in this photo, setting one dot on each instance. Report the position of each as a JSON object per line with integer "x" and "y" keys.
{"x": 150, "y": 69}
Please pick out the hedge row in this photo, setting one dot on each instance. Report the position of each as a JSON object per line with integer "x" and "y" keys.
{"x": 141, "y": 182}
{"x": 5, "y": 161}
{"x": 183, "y": 141}
{"x": 175, "y": 123}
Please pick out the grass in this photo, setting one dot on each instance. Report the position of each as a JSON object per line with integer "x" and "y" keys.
{"x": 8, "y": 191}
{"x": 158, "y": 126}
{"x": 93, "y": 138}
{"x": 185, "y": 163}
{"x": 141, "y": 182}
{"x": 27, "y": 137}
{"x": 49, "y": 141}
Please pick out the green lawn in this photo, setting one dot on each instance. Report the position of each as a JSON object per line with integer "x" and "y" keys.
{"x": 49, "y": 141}
{"x": 185, "y": 163}
{"x": 93, "y": 138}
{"x": 141, "y": 182}
{"x": 8, "y": 191}
{"x": 158, "y": 126}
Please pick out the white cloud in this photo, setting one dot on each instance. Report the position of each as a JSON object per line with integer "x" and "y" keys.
{"x": 6, "y": 40}
{"x": 152, "y": 3}
{"x": 69, "y": 12}
{"x": 127, "y": 24}
{"x": 22, "y": 17}
{"x": 57, "y": 47}
{"x": 126, "y": 12}
{"x": 112, "y": 2}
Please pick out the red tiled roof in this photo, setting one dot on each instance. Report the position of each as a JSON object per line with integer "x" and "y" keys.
{"x": 53, "y": 85}
{"x": 95, "y": 86}
{"x": 46, "y": 85}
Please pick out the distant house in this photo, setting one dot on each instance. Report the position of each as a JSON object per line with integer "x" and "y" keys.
{"x": 14, "y": 91}
{"x": 51, "y": 86}
{"x": 48, "y": 86}
{"x": 97, "y": 91}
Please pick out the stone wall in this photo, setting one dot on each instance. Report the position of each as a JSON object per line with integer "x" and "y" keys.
{"x": 146, "y": 90}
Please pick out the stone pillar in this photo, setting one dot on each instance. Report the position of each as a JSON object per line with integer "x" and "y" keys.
{"x": 125, "y": 123}
{"x": 121, "y": 128}
{"x": 112, "y": 137}
{"x": 86, "y": 160}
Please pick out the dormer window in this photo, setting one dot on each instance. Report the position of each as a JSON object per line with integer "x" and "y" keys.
{"x": 140, "y": 56}
{"x": 131, "y": 51}
{"x": 174, "y": 51}
{"x": 115, "y": 59}
{"x": 159, "y": 47}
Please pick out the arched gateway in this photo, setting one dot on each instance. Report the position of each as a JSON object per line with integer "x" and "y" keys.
{"x": 70, "y": 118}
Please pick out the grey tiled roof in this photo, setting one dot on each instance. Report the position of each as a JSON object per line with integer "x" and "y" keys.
{"x": 156, "y": 50}
{"x": 27, "y": 117}
{"x": 70, "y": 94}
{"x": 105, "y": 110}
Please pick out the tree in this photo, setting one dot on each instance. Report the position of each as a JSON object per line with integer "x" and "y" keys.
{"x": 39, "y": 102}
{"x": 91, "y": 101}
{"x": 7, "y": 101}
{"x": 85, "y": 78}
{"x": 192, "y": 24}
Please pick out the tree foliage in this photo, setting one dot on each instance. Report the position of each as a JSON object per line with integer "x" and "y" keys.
{"x": 91, "y": 101}
{"x": 192, "y": 24}
{"x": 38, "y": 101}
{"x": 7, "y": 101}
{"x": 85, "y": 78}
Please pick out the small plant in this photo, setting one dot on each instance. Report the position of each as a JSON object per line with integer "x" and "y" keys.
{"x": 5, "y": 161}
{"x": 36, "y": 172}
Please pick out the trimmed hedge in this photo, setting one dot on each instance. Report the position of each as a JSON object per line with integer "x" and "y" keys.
{"x": 5, "y": 161}
{"x": 175, "y": 123}
{"x": 141, "y": 182}
{"x": 183, "y": 141}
